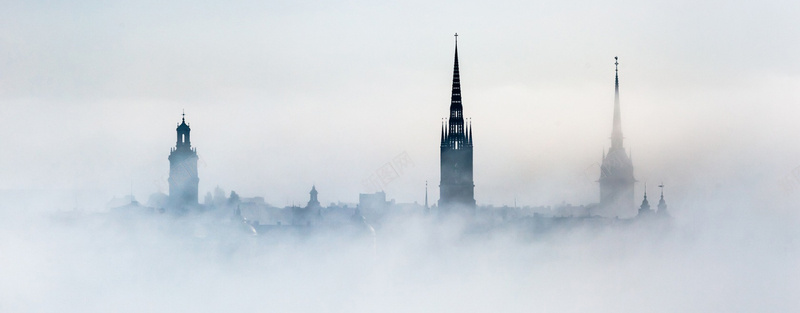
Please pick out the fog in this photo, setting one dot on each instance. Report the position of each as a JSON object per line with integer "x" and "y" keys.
{"x": 285, "y": 95}
{"x": 731, "y": 259}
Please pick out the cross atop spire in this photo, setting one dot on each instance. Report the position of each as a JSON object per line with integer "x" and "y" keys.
{"x": 456, "y": 35}
{"x": 183, "y": 115}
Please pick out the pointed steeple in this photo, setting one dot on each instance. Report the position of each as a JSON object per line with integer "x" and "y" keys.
{"x": 470, "y": 131}
{"x": 455, "y": 98}
{"x": 183, "y": 132}
{"x": 662, "y": 205}
{"x": 616, "y": 132}
{"x": 645, "y": 204}
{"x": 443, "y": 127}
{"x": 456, "y": 188}
{"x": 444, "y": 134}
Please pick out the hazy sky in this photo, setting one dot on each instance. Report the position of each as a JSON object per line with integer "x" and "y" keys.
{"x": 283, "y": 95}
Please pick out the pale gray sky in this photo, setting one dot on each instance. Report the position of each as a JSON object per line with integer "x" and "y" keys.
{"x": 282, "y": 95}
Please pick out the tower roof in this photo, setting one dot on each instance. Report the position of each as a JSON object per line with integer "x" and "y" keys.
{"x": 616, "y": 132}
{"x": 645, "y": 204}
{"x": 183, "y": 125}
{"x": 662, "y": 205}
{"x": 455, "y": 98}
{"x": 470, "y": 132}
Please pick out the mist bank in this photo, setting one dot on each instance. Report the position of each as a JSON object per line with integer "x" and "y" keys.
{"x": 70, "y": 261}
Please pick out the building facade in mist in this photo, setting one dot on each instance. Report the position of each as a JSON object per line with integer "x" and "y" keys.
{"x": 457, "y": 188}
{"x": 183, "y": 179}
{"x": 616, "y": 172}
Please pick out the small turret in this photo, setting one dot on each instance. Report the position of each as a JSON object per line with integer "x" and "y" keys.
{"x": 444, "y": 143}
{"x": 312, "y": 201}
{"x": 662, "y": 205}
{"x": 644, "y": 209}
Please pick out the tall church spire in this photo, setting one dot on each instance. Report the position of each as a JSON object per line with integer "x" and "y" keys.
{"x": 456, "y": 188}
{"x": 455, "y": 98}
{"x": 616, "y": 171}
{"x": 616, "y": 132}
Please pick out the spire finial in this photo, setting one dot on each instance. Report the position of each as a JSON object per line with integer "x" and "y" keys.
{"x": 426, "y": 197}
{"x": 616, "y": 64}
{"x": 645, "y": 190}
{"x": 662, "y": 189}
{"x": 183, "y": 115}
{"x": 456, "y": 35}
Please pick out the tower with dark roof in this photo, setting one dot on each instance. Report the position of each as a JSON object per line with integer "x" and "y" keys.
{"x": 616, "y": 172}
{"x": 456, "y": 189}
{"x": 183, "y": 179}
{"x": 662, "y": 205}
{"x": 312, "y": 200}
{"x": 644, "y": 209}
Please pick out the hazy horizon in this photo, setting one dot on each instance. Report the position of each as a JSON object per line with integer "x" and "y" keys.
{"x": 281, "y": 96}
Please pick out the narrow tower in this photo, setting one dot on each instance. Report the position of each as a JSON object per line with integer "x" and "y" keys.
{"x": 644, "y": 209}
{"x": 662, "y": 205}
{"x": 616, "y": 171}
{"x": 456, "y": 189}
{"x": 312, "y": 201}
{"x": 183, "y": 180}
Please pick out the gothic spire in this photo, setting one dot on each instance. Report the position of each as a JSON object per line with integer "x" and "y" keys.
{"x": 443, "y": 133}
{"x": 616, "y": 132}
{"x": 470, "y": 131}
{"x": 455, "y": 98}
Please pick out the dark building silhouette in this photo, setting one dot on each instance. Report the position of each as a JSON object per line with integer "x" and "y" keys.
{"x": 183, "y": 180}
{"x": 311, "y": 213}
{"x": 644, "y": 209}
{"x": 457, "y": 188}
{"x": 662, "y": 205}
{"x": 616, "y": 172}
{"x": 312, "y": 200}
